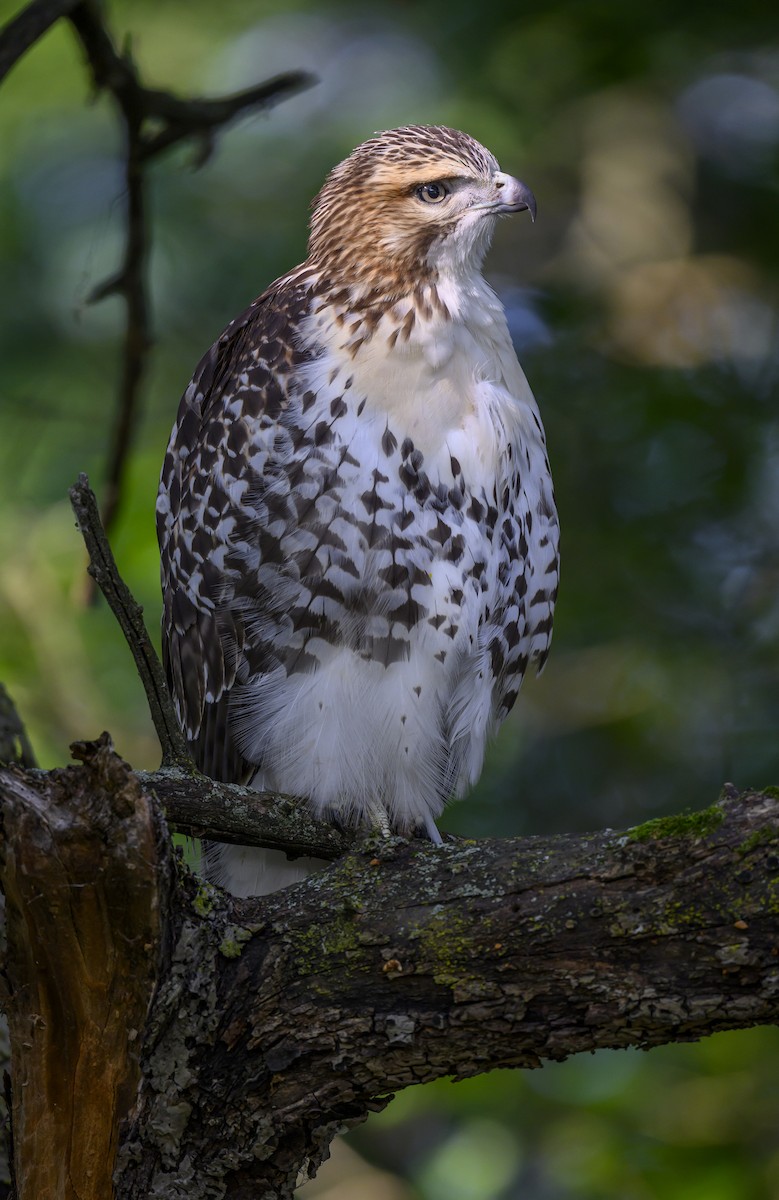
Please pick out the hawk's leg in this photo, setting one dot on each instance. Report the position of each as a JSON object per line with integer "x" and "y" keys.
{"x": 376, "y": 817}
{"x": 431, "y": 829}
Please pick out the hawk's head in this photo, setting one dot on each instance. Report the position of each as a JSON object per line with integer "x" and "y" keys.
{"x": 408, "y": 205}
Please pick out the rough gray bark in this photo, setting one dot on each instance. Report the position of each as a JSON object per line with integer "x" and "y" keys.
{"x": 277, "y": 1022}
{"x": 226, "y": 812}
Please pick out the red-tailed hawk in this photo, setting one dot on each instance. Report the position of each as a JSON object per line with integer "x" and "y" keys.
{"x": 356, "y": 516}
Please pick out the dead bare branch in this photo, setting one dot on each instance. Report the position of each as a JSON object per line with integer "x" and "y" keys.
{"x": 129, "y": 614}
{"x": 198, "y": 119}
{"x": 226, "y": 812}
{"x": 24, "y": 30}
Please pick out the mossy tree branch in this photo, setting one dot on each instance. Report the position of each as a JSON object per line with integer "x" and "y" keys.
{"x": 277, "y": 1021}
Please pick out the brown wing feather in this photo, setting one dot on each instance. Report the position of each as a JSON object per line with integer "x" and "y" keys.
{"x": 240, "y": 382}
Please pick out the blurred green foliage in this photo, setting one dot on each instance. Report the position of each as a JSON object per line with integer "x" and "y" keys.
{"x": 644, "y": 307}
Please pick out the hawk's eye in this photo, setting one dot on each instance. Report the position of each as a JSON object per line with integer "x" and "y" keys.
{"x": 432, "y": 193}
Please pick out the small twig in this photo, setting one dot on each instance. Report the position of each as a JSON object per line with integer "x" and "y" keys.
{"x": 224, "y": 812}
{"x": 129, "y": 614}
{"x": 24, "y": 30}
{"x": 199, "y": 117}
{"x": 116, "y": 73}
{"x": 131, "y": 283}
{"x": 14, "y": 744}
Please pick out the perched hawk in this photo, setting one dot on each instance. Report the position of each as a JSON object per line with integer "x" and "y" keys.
{"x": 356, "y": 514}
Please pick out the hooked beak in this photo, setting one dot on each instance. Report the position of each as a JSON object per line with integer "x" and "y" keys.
{"x": 513, "y": 196}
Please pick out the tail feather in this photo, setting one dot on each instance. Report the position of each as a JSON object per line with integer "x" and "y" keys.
{"x": 249, "y": 871}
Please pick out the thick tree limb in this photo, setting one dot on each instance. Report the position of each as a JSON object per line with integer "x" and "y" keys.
{"x": 412, "y": 963}
{"x": 279, "y": 1020}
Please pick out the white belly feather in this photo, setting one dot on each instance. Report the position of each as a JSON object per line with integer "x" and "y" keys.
{"x": 355, "y": 734}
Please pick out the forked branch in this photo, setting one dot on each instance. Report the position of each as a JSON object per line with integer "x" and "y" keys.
{"x": 152, "y": 121}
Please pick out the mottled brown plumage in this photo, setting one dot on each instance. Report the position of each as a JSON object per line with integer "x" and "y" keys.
{"x": 356, "y": 518}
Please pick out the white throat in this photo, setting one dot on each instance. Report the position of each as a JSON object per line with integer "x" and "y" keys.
{"x": 439, "y": 368}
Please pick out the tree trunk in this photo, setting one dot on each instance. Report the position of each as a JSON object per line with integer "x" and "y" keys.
{"x": 84, "y": 937}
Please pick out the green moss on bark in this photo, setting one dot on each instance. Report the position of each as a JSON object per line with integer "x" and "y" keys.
{"x": 698, "y": 824}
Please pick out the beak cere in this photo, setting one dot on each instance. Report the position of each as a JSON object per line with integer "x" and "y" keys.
{"x": 513, "y": 196}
